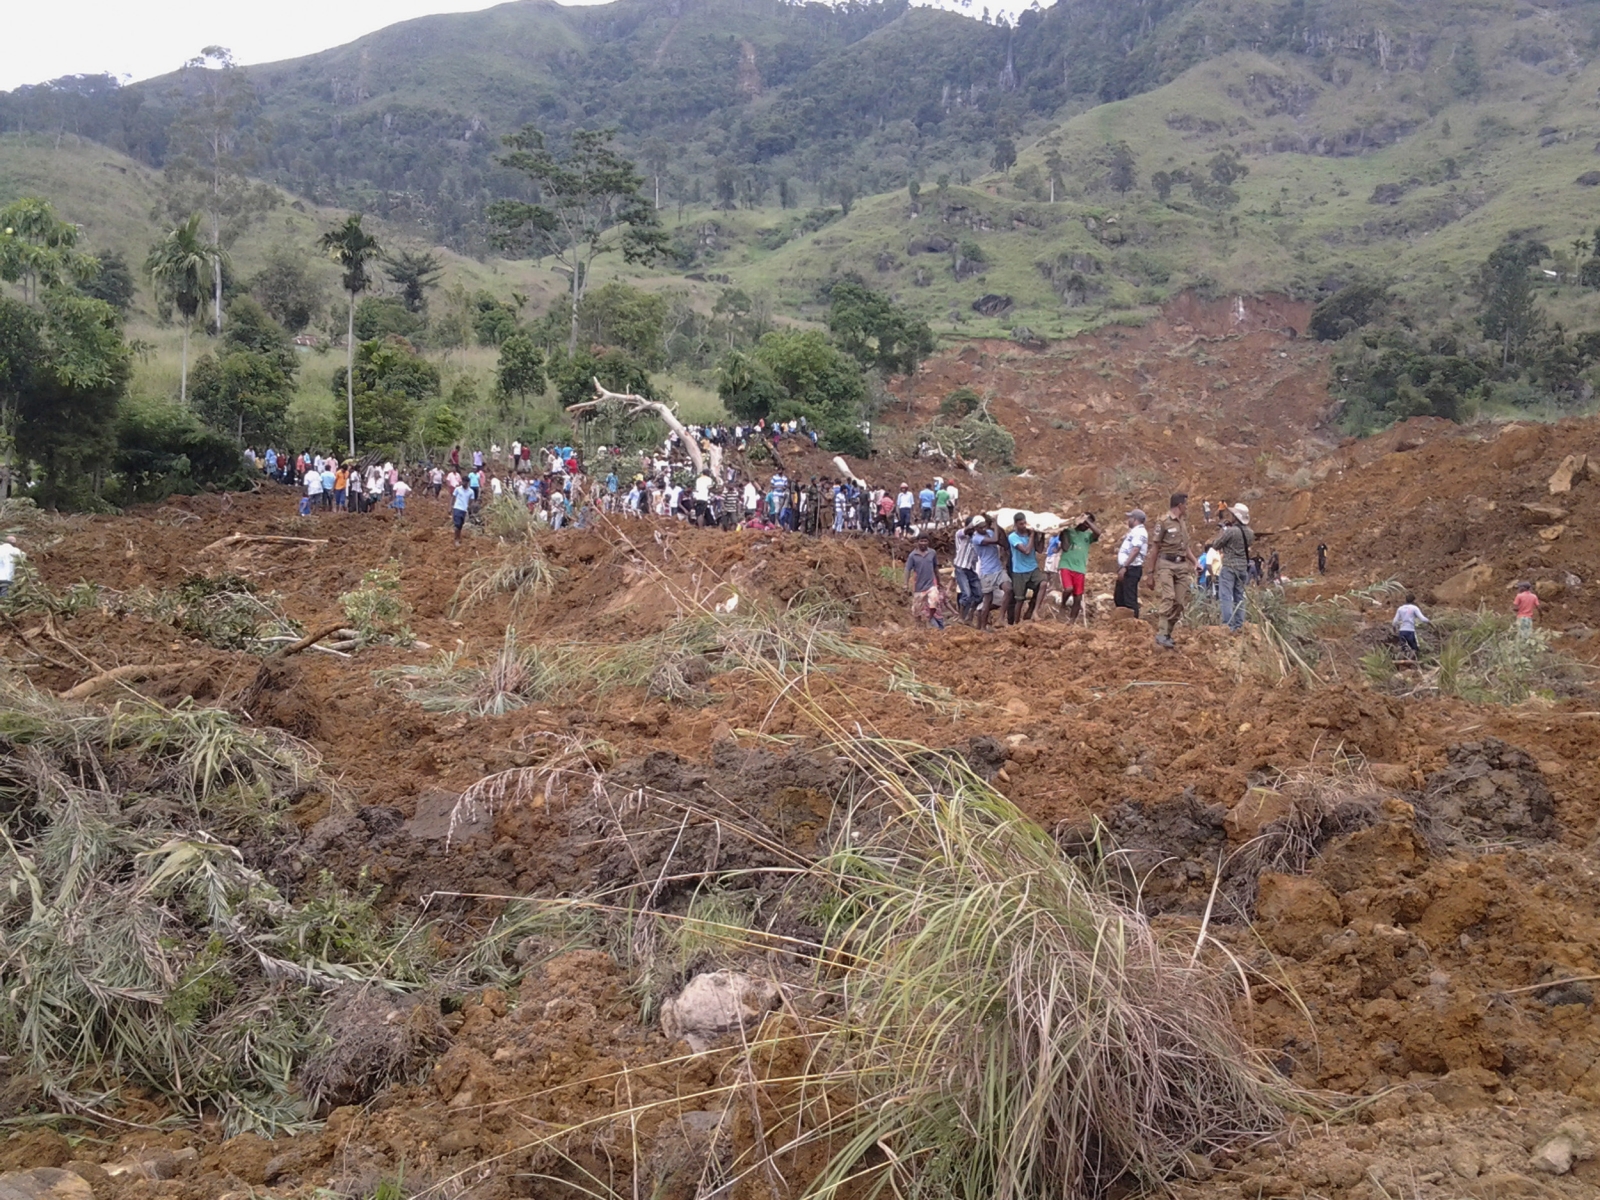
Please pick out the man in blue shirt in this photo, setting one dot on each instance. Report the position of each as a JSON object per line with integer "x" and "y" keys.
{"x": 460, "y": 503}
{"x": 994, "y": 585}
{"x": 925, "y": 502}
{"x": 1027, "y": 579}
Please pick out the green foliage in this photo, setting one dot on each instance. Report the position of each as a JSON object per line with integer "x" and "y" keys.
{"x": 520, "y": 371}
{"x": 1510, "y": 314}
{"x": 243, "y": 394}
{"x": 1120, "y": 174}
{"x": 392, "y": 383}
{"x": 626, "y": 318}
{"x": 1351, "y": 307}
{"x": 161, "y": 449}
{"x": 960, "y": 403}
{"x": 441, "y": 427}
{"x": 1004, "y": 156}
{"x": 493, "y": 321}
{"x": 71, "y": 383}
{"x": 38, "y": 249}
{"x": 287, "y": 289}
{"x": 376, "y": 609}
{"x": 180, "y": 265}
{"x": 1390, "y": 375}
{"x": 591, "y": 204}
{"x": 573, "y": 375}
{"x": 877, "y": 332}
{"x": 793, "y": 374}
{"x": 354, "y": 249}
{"x": 977, "y": 435}
{"x": 111, "y": 281}
{"x": 385, "y": 316}
{"x": 416, "y": 272}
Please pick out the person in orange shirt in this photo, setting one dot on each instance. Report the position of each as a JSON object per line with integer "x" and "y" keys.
{"x": 341, "y": 481}
{"x": 1525, "y": 604}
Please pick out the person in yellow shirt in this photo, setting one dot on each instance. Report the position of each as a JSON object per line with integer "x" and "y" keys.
{"x": 341, "y": 481}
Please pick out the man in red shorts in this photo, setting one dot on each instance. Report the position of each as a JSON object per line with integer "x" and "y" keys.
{"x": 1075, "y": 543}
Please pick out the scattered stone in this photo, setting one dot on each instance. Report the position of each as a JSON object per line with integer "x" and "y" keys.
{"x": 151, "y": 1164}
{"x": 717, "y": 1003}
{"x": 44, "y": 1183}
{"x": 992, "y": 305}
{"x": 1566, "y": 991}
{"x": 1017, "y": 708}
{"x": 1554, "y": 1155}
{"x": 1548, "y": 589}
{"x": 1543, "y": 514}
{"x": 1551, "y": 532}
{"x": 1573, "y": 468}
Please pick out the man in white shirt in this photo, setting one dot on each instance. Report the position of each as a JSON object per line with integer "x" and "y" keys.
{"x": 674, "y": 498}
{"x": 10, "y": 556}
{"x": 402, "y": 489}
{"x": 702, "y": 499}
{"x": 1130, "y": 561}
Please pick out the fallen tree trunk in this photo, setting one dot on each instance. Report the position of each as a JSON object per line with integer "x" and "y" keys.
{"x": 128, "y": 674}
{"x": 312, "y": 638}
{"x": 640, "y": 404}
{"x": 239, "y": 539}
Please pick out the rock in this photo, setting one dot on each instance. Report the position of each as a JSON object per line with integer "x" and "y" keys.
{"x": 1294, "y": 911}
{"x": 1462, "y": 586}
{"x": 44, "y": 1183}
{"x": 992, "y": 305}
{"x": 1542, "y": 514}
{"x": 1256, "y": 809}
{"x": 1554, "y": 1155}
{"x": 1551, "y": 532}
{"x": 153, "y": 1163}
{"x": 1548, "y": 589}
{"x": 458, "y": 1140}
{"x": 1122, "y": 614}
{"x": 1016, "y": 707}
{"x": 1565, "y": 991}
{"x": 1573, "y": 467}
{"x": 1491, "y": 792}
{"x": 1393, "y": 775}
{"x": 717, "y": 1003}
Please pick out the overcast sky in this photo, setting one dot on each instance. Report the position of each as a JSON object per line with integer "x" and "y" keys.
{"x": 135, "y": 39}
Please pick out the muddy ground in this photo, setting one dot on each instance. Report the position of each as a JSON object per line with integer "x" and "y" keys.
{"x": 1432, "y": 948}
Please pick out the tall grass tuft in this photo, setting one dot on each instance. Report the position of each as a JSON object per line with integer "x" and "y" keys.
{"x": 523, "y": 573}
{"x": 513, "y": 676}
{"x": 1010, "y": 1030}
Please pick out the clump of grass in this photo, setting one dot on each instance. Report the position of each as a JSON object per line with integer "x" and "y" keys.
{"x": 1483, "y": 659}
{"x": 513, "y": 676}
{"x": 524, "y": 574}
{"x": 32, "y": 595}
{"x": 225, "y": 611}
{"x": 1010, "y": 1029}
{"x": 376, "y": 609}
{"x": 506, "y": 517}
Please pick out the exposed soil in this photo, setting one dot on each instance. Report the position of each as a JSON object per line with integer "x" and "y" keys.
{"x": 1427, "y": 947}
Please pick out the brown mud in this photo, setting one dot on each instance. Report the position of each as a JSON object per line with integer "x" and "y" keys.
{"x": 1427, "y": 948}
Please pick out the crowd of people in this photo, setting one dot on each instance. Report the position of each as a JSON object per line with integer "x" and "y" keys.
{"x": 1005, "y": 568}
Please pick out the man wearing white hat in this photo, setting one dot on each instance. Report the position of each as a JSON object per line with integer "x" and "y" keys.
{"x": 1234, "y": 542}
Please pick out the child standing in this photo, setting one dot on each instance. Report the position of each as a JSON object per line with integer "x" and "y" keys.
{"x": 1405, "y": 622}
{"x": 1525, "y": 604}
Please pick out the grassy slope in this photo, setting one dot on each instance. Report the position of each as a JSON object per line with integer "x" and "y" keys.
{"x": 1303, "y": 219}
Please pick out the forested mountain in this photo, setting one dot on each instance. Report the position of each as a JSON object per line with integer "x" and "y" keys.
{"x": 733, "y": 100}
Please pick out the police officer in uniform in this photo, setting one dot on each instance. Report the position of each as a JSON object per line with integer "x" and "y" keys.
{"x": 1173, "y": 559}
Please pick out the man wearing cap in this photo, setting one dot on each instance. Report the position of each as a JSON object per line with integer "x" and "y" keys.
{"x": 1174, "y": 567}
{"x": 903, "y": 502}
{"x": 1130, "y": 561}
{"x": 1234, "y": 542}
{"x": 994, "y": 585}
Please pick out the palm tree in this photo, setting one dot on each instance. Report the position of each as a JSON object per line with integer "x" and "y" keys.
{"x": 352, "y": 247}
{"x": 179, "y": 264}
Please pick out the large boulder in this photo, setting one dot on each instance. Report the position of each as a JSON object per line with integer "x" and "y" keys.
{"x": 1490, "y": 792}
{"x": 715, "y": 1004}
{"x": 1461, "y": 587}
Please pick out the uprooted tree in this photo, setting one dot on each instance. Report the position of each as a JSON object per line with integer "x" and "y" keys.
{"x": 639, "y": 404}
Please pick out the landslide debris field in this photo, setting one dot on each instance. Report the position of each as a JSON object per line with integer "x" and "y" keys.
{"x": 644, "y": 861}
